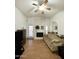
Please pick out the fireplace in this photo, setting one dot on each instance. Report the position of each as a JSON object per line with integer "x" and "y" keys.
{"x": 39, "y": 34}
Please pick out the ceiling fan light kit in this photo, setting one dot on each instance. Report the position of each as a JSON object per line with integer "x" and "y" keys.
{"x": 42, "y": 7}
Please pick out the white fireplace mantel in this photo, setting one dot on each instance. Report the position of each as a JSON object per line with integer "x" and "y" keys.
{"x": 39, "y": 30}
{"x": 36, "y": 33}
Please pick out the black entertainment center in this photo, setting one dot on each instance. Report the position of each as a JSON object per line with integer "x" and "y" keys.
{"x": 19, "y": 42}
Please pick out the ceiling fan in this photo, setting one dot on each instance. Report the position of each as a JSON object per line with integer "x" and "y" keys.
{"x": 41, "y": 6}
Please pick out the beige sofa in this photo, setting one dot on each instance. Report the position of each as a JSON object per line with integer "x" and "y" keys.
{"x": 53, "y": 41}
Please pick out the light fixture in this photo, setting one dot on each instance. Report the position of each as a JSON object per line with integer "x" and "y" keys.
{"x": 42, "y": 7}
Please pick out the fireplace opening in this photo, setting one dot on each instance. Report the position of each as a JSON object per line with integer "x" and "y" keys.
{"x": 39, "y": 34}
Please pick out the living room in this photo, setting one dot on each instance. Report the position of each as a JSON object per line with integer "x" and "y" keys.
{"x": 45, "y": 27}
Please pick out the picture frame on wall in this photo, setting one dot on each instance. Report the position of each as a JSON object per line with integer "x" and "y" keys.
{"x": 42, "y": 27}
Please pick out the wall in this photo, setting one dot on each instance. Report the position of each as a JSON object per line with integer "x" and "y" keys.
{"x": 20, "y": 20}
{"x": 59, "y": 19}
{"x": 42, "y": 21}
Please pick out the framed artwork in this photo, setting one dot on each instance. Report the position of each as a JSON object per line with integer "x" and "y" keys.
{"x": 42, "y": 27}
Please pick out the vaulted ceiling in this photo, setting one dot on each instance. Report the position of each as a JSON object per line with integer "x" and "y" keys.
{"x": 27, "y": 8}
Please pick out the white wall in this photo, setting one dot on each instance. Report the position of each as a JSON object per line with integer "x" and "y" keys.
{"x": 20, "y": 20}
{"x": 59, "y": 19}
{"x": 41, "y": 21}
{"x": 37, "y": 21}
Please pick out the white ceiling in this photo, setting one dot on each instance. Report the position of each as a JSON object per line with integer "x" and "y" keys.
{"x": 26, "y": 7}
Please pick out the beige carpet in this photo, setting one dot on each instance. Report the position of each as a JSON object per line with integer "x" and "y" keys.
{"x": 37, "y": 49}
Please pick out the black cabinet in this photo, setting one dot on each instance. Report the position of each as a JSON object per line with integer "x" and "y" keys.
{"x": 20, "y": 39}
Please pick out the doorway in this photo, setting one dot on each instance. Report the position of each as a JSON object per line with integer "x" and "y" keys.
{"x": 30, "y": 31}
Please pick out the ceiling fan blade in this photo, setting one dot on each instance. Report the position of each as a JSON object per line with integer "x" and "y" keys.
{"x": 34, "y": 4}
{"x": 48, "y": 8}
{"x": 46, "y": 1}
{"x": 36, "y": 10}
